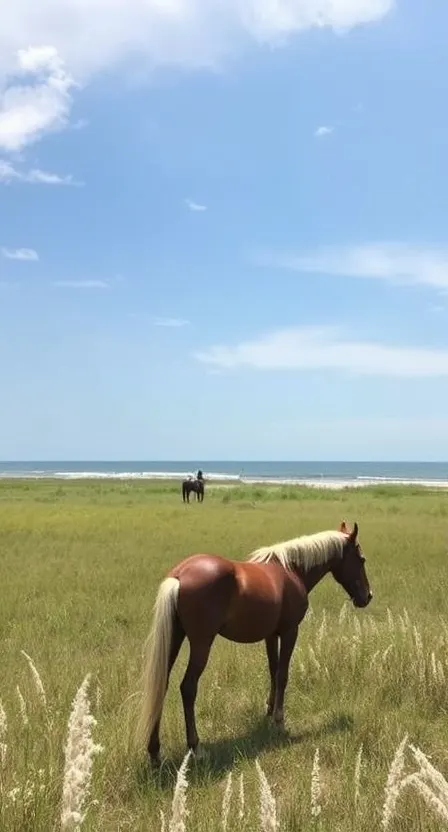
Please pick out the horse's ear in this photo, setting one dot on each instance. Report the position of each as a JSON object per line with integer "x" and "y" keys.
{"x": 343, "y": 527}
{"x": 354, "y": 533}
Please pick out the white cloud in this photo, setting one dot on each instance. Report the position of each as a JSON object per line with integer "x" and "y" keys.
{"x": 28, "y": 111}
{"x": 35, "y": 176}
{"x": 395, "y": 262}
{"x": 169, "y": 322}
{"x": 323, "y": 131}
{"x": 91, "y": 36}
{"x": 28, "y": 254}
{"x": 81, "y": 284}
{"x": 43, "y": 177}
{"x": 323, "y": 348}
{"x": 195, "y": 206}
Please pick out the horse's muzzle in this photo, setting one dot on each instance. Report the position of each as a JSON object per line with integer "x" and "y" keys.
{"x": 363, "y": 602}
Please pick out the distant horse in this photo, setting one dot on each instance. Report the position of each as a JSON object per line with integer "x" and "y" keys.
{"x": 193, "y": 485}
{"x": 262, "y": 598}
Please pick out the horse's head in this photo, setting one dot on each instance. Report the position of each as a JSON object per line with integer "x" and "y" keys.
{"x": 350, "y": 570}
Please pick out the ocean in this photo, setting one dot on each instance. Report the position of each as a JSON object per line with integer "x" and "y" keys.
{"x": 318, "y": 474}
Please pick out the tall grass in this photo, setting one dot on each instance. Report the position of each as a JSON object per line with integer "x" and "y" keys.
{"x": 28, "y": 788}
{"x": 366, "y": 700}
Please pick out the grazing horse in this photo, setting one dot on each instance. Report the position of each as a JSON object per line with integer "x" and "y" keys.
{"x": 262, "y": 598}
{"x": 193, "y": 485}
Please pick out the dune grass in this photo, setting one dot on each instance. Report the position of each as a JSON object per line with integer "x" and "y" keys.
{"x": 79, "y": 568}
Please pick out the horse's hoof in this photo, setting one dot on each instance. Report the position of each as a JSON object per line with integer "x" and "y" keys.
{"x": 279, "y": 723}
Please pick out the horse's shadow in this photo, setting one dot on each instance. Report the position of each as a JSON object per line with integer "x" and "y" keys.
{"x": 219, "y": 757}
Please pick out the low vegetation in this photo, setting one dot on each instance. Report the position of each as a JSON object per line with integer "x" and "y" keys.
{"x": 366, "y": 704}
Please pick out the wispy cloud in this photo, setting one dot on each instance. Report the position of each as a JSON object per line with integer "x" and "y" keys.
{"x": 35, "y": 176}
{"x": 28, "y": 254}
{"x": 169, "y": 322}
{"x": 325, "y": 348}
{"x": 394, "y": 262}
{"x": 323, "y": 131}
{"x": 81, "y": 284}
{"x": 43, "y": 177}
{"x": 28, "y": 111}
{"x": 195, "y": 206}
{"x": 198, "y": 33}
{"x": 80, "y": 124}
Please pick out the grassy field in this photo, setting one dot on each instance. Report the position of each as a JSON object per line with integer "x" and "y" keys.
{"x": 79, "y": 568}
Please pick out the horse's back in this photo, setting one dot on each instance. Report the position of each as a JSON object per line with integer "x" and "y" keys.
{"x": 202, "y": 567}
{"x": 207, "y": 587}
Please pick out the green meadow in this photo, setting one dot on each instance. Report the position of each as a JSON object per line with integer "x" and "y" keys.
{"x": 80, "y": 563}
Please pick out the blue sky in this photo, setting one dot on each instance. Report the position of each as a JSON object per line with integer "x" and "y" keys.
{"x": 223, "y": 230}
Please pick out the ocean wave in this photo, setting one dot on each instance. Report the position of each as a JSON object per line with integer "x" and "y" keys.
{"x": 141, "y": 475}
{"x": 403, "y": 481}
{"x": 218, "y": 478}
{"x": 349, "y": 482}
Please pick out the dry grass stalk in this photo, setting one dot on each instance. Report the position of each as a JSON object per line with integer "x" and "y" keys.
{"x": 392, "y": 789}
{"x": 162, "y": 821}
{"x": 98, "y": 697}
{"x": 343, "y": 614}
{"x": 316, "y": 790}
{"x": 37, "y": 679}
{"x": 321, "y": 633}
{"x": 390, "y": 620}
{"x": 241, "y": 798}
{"x": 420, "y": 654}
{"x": 374, "y": 661}
{"x": 430, "y": 773}
{"x": 3, "y": 735}
{"x": 386, "y": 654}
{"x": 357, "y": 776}
{"x": 403, "y": 625}
{"x": 79, "y": 752}
{"x": 179, "y": 811}
{"x": 226, "y": 802}
{"x": 22, "y": 707}
{"x": 357, "y": 627}
{"x": 431, "y": 799}
{"x": 268, "y": 808}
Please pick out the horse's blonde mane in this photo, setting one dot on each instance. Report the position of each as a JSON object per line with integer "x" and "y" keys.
{"x": 306, "y": 551}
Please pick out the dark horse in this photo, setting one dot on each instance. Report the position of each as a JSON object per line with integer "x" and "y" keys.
{"x": 197, "y": 486}
{"x": 262, "y": 598}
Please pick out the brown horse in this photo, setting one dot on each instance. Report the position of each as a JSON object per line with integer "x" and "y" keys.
{"x": 262, "y": 598}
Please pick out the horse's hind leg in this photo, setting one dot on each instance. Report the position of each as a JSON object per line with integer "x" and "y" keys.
{"x": 199, "y": 653}
{"x": 176, "y": 643}
{"x": 272, "y": 653}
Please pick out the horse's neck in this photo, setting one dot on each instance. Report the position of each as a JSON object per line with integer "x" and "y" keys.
{"x": 314, "y": 575}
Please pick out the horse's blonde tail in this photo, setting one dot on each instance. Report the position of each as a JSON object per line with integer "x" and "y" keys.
{"x": 157, "y": 650}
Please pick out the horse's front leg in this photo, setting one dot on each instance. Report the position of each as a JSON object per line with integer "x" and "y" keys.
{"x": 272, "y": 654}
{"x": 287, "y": 643}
